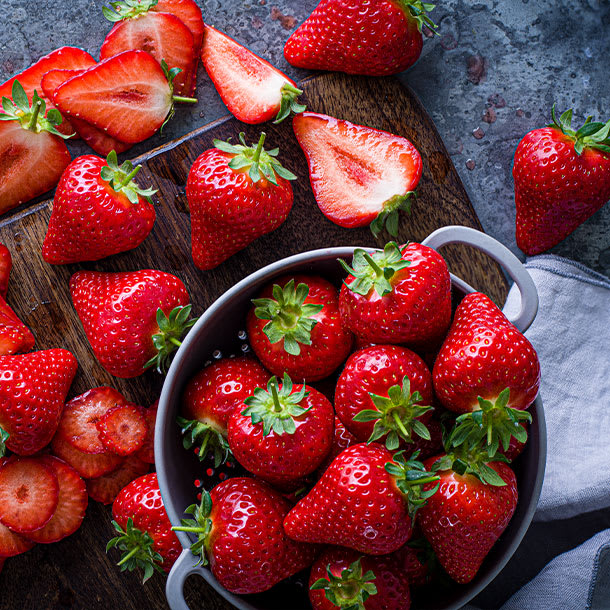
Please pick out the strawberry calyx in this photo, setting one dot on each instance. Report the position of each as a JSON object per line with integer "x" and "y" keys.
{"x": 201, "y": 524}
{"x": 276, "y": 407}
{"x": 4, "y": 436}
{"x": 168, "y": 339}
{"x": 137, "y": 549}
{"x": 205, "y": 437}
{"x": 410, "y": 477}
{"x": 290, "y": 318}
{"x": 493, "y": 423}
{"x": 375, "y": 270}
{"x": 258, "y": 161}
{"x": 592, "y": 134}
{"x": 31, "y": 118}
{"x": 396, "y": 415}
{"x": 289, "y": 103}
{"x": 388, "y": 216}
{"x": 171, "y": 74}
{"x": 418, "y": 12}
{"x": 350, "y": 590}
{"x": 120, "y": 178}
{"x": 127, "y": 9}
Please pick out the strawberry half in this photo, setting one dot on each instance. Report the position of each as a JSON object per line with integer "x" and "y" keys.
{"x": 6, "y": 264}
{"x": 129, "y": 96}
{"x": 123, "y": 429}
{"x": 253, "y": 90}
{"x": 360, "y": 176}
{"x": 32, "y": 151}
{"x": 15, "y": 336}
{"x": 106, "y": 488}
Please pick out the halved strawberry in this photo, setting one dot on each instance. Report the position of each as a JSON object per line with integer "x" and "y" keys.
{"x": 359, "y": 175}
{"x": 129, "y": 96}
{"x": 6, "y": 263}
{"x": 12, "y": 544}
{"x": 33, "y": 154}
{"x": 123, "y": 429}
{"x": 71, "y": 505}
{"x": 88, "y": 465}
{"x": 15, "y": 336}
{"x": 253, "y": 90}
{"x": 106, "y": 488}
{"x": 29, "y": 493}
{"x": 147, "y": 452}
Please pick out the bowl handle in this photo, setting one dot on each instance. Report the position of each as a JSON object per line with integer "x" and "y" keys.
{"x": 502, "y": 255}
{"x": 181, "y": 570}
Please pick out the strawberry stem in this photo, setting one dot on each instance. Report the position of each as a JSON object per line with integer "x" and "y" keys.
{"x": 276, "y": 399}
{"x": 128, "y": 178}
{"x": 185, "y": 100}
{"x": 376, "y": 268}
{"x": 34, "y": 118}
{"x": 259, "y": 148}
{"x": 129, "y": 555}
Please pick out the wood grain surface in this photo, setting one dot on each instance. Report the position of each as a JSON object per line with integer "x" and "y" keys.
{"x": 76, "y": 573}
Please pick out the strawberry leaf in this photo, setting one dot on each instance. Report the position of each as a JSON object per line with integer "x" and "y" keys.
{"x": 350, "y": 590}
{"x": 592, "y": 134}
{"x": 205, "y": 438}
{"x": 121, "y": 179}
{"x": 289, "y": 103}
{"x": 4, "y": 436}
{"x": 418, "y": 11}
{"x": 200, "y": 524}
{"x": 388, "y": 216}
{"x": 127, "y": 9}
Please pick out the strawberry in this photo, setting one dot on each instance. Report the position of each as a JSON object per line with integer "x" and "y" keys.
{"x": 252, "y": 89}
{"x": 32, "y": 397}
{"x": 147, "y": 452}
{"x": 32, "y": 150}
{"x": 6, "y": 264}
{"x": 374, "y": 516}
{"x": 472, "y": 507}
{"x": 71, "y": 505}
{"x": 210, "y": 398}
{"x": 562, "y": 177}
{"x": 359, "y": 176}
{"x": 15, "y": 336}
{"x": 188, "y": 12}
{"x": 145, "y": 534}
{"x": 235, "y": 194}
{"x": 398, "y": 295}
{"x": 133, "y": 319}
{"x": 295, "y": 327}
{"x": 106, "y": 488}
{"x": 360, "y": 37}
{"x": 129, "y": 96}
{"x": 384, "y": 392}
{"x": 342, "y": 578}
{"x": 161, "y": 34}
{"x": 123, "y": 429}
{"x": 284, "y": 433}
{"x": 64, "y": 58}
{"x": 98, "y": 211}
{"x": 239, "y": 526}
{"x": 88, "y": 465}
{"x": 12, "y": 544}
{"x": 29, "y": 494}
{"x": 483, "y": 355}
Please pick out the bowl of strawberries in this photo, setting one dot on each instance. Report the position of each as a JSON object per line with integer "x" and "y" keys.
{"x": 353, "y": 428}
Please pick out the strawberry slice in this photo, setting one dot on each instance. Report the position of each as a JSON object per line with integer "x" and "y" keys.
{"x": 359, "y": 175}
{"x": 147, "y": 452}
{"x": 162, "y": 35}
{"x": 129, "y": 96}
{"x": 12, "y": 544}
{"x": 29, "y": 493}
{"x": 123, "y": 429}
{"x": 80, "y": 416}
{"x": 253, "y": 90}
{"x": 33, "y": 154}
{"x": 15, "y": 336}
{"x": 6, "y": 264}
{"x": 189, "y": 13}
{"x": 105, "y": 489}
{"x": 71, "y": 505}
{"x": 88, "y": 465}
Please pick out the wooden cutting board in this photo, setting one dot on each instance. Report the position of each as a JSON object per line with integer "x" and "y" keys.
{"x": 76, "y": 573}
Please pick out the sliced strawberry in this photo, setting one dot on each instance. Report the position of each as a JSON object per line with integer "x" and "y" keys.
{"x": 147, "y": 452}
{"x": 15, "y": 336}
{"x": 71, "y": 506}
{"x": 12, "y": 544}
{"x": 123, "y": 429}
{"x": 29, "y": 493}
{"x": 6, "y": 263}
{"x": 105, "y": 489}
{"x": 128, "y": 96}
{"x": 252, "y": 89}
{"x": 359, "y": 175}
{"x": 189, "y": 13}
{"x": 80, "y": 416}
{"x": 88, "y": 465}
{"x": 52, "y": 80}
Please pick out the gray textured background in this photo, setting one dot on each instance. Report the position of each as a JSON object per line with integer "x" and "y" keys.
{"x": 496, "y": 69}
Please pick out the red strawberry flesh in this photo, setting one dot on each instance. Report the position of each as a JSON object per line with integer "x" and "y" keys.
{"x": 88, "y": 465}
{"x": 6, "y": 263}
{"x": 106, "y": 488}
{"x": 123, "y": 429}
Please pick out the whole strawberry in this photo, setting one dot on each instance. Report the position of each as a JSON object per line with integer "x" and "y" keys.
{"x": 240, "y": 535}
{"x": 98, "y": 210}
{"x": 398, "y": 295}
{"x": 209, "y": 400}
{"x": 145, "y": 535}
{"x": 295, "y": 328}
{"x": 366, "y": 501}
{"x": 235, "y": 193}
{"x": 562, "y": 176}
{"x": 343, "y": 578}
{"x": 384, "y": 393}
{"x": 283, "y": 433}
{"x": 133, "y": 319}
{"x": 32, "y": 396}
{"x": 360, "y": 37}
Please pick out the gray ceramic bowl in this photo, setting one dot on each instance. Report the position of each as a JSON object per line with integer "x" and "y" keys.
{"x": 218, "y": 329}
